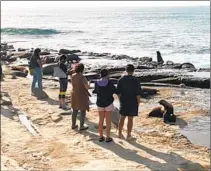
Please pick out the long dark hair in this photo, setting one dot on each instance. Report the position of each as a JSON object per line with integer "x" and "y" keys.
{"x": 37, "y": 52}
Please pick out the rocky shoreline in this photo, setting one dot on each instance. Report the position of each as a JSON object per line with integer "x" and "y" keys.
{"x": 147, "y": 70}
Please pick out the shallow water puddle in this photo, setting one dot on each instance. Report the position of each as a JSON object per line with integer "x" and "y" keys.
{"x": 198, "y": 131}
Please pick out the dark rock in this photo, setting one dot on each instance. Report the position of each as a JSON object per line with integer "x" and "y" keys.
{"x": 9, "y": 58}
{"x": 14, "y": 77}
{"x": 145, "y": 59}
{"x": 91, "y": 75}
{"x": 3, "y": 53}
{"x": 187, "y": 65}
{"x": 66, "y": 51}
{"x": 10, "y": 47}
{"x": 25, "y": 55}
{"x": 22, "y": 49}
{"x": 187, "y": 80}
{"x": 48, "y": 59}
{"x": 169, "y": 63}
{"x": 19, "y": 73}
{"x": 118, "y": 57}
{"x": 4, "y": 47}
{"x": 48, "y": 69}
{"x": 73, "y": 57}
{"x": 95, "y": 54}
{"x": 203, "y": 70}
{"x": 144, "y": 67}
{"x": 159, "y": 58}
{"x": 196, "y": 82}
{"x": 45, "y": 53}
{"x": 149, "y": 91}
{"x": 19, "y": 68}
{"x": 172, "y": 80}
{"x": 147, "y": 76}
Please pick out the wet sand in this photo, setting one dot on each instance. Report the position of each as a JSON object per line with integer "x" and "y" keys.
{"x": 158, "y": 146}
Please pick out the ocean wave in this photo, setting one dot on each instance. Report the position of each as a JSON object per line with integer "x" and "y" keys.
{"x": 136, "y": 31}
{"x": 203, "y": 51}
{"x": 28, "y": 31}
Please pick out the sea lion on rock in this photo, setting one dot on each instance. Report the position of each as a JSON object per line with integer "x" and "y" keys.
{"x": 169, "y": 114}
{"x": 159, "y": 58}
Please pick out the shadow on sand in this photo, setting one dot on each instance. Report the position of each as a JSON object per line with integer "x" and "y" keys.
{"x": 172, "y": 161}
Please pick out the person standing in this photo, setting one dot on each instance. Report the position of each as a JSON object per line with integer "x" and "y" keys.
{"x": 128, "y": 90}
{"x": 104, "y": 89}
{"x": 79, "y": 96}
{"x": 63, "y": 82}
{"x": 35, "y": 65}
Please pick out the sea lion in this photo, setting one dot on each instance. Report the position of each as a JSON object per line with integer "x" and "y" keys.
{"x": 159, "y": 58}
{"x": 169, "y": 114}
{"x": 157, "y": 112}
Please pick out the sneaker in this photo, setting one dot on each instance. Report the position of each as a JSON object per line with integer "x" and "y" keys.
{"x": 121, "y": 136}
{"x": 75, "y": 126}
{"x": 83, "y": 128}
{"x": 65, "y": 107}
{"x": 130, "y": 138}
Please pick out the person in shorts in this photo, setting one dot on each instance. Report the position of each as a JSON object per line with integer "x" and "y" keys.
{"x": 104, "y": 89}
{"x": 128, "y": 89}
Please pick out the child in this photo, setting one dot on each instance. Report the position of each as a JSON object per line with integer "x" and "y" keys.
{"x": 105, "y": 89}
{"x": 63, "y": 83}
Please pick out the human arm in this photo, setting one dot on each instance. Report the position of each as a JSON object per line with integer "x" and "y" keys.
{"x": 63, "y": 67}
{"x": 38, "y": 60}
{"x": 138, "y": 91}
{"x": 95, "y": 89}
{"x": 118, "y": 89}
{"x": 86, "y": 83}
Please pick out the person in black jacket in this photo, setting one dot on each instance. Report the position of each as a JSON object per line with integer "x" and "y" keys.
{"x": 105, "y": 89}
{"x": 63, "y": 83}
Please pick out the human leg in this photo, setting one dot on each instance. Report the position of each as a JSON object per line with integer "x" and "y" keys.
{"x": 108, "y": 126}
{"x": 74, "y": 116}
{"x": 39, "y": 77}
{"x": 100, "y": 123}
{"x": 120, "y": 126}
{"x": 33, "y": 82}
{"x": 82, "y": 120}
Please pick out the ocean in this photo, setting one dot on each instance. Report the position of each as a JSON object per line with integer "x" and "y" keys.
{"x": 181, "y": 34}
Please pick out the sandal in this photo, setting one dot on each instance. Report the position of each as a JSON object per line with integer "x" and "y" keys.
{"x": 101, "y": 138}
{"x": 75, "y": 126}
{"x": 109, "y": 139}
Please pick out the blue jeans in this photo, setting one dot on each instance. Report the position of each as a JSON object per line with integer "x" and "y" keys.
{"x": 37, "y": 77}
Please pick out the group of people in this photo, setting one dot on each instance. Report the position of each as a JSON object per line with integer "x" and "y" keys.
{"x": 128, "y": 91}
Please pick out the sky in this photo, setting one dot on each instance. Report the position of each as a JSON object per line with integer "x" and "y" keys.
{"x": 88, "y": 4}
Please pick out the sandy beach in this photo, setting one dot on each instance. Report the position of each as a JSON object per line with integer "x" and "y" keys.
{"x": 158, "y": 146}
{"x": 167, "y": 42}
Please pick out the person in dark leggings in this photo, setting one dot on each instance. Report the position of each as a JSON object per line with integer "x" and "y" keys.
{"x": 63, "y": 83}
{"x": 79, "y": 96}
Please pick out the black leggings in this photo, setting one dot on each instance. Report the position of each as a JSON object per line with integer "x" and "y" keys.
{"x": 82, "y": 117}
{"x": 63, "y": 87}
